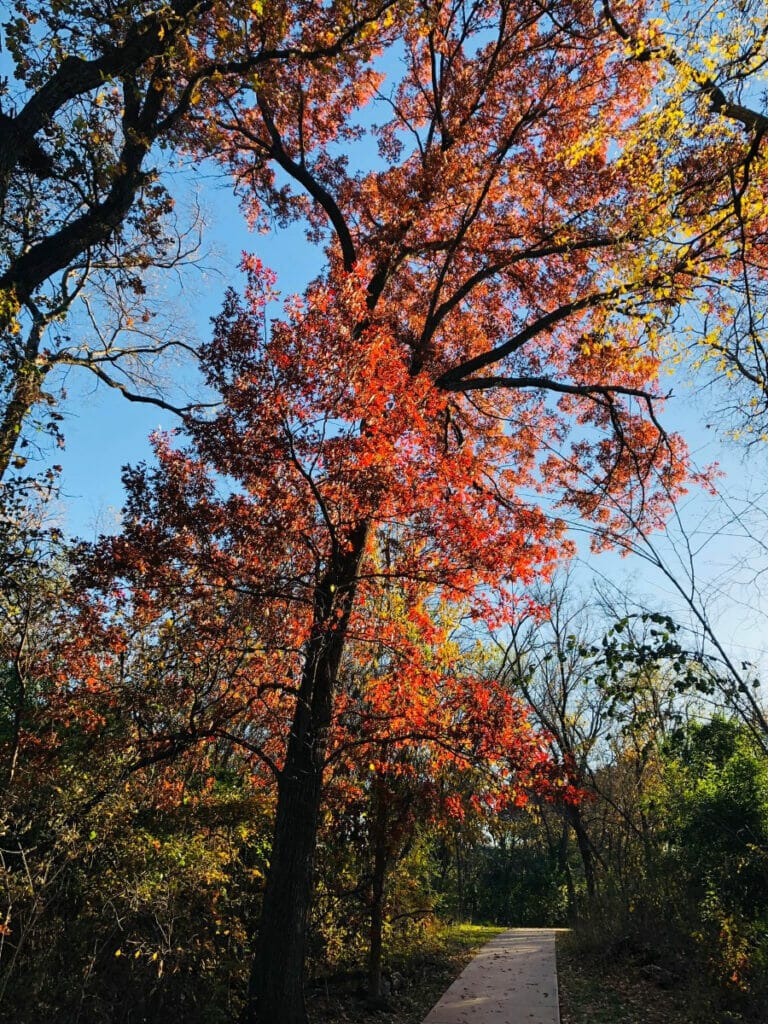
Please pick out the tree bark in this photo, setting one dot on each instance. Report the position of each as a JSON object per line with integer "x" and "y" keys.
{"x": 276, "y": 990}
{"x": 564, "y": 866}
{"x": 26, "y": 392}
{"x": 461, "y": 913}
{"x": 378, "y": 889}
{"x": 585, "y": 850}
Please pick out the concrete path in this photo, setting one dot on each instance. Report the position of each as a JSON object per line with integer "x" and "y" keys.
{"x": 512, "y": 980}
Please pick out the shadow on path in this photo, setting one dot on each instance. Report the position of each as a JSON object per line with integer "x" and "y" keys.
{"x": 512, "y": 980}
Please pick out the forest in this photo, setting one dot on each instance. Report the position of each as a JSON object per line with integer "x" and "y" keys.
{"x": 336, "y": 680}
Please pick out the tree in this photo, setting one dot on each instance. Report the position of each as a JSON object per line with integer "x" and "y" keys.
{"x": 326, "y": 436}
{"x": 288, "y": 544}
{"x": 690, "y": 632}
{"x": 711, "y": 61}
{"x": 31, "y": 564}
{"x": 114, "y": 727}
{"x": 542, "y": 661}
{"x": 504, "y": 280}
{"x": 718, "y": 823}
{"x": 99, "y": 89}
{"x": 422, "y": 739}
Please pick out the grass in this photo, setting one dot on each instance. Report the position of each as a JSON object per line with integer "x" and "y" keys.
{"x": 422, "y": 972}
{"x": 597, "y": 990}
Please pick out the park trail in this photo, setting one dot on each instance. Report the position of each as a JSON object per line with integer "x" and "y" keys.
{"x": 512, "y": 980}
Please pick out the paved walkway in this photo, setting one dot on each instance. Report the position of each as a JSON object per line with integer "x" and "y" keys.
{"x": 512, "y": 980}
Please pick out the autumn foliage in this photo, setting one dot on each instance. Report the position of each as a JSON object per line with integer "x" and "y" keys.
{"x": 394, "y": 453}
{"x": 334, "y": 472}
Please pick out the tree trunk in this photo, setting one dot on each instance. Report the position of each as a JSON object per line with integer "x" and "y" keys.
{"x": 17, "y": 693}
{"x": 276, "y": 989}
{"x": 585, "y": 850}
{"x": 25, "y": 392}
{"x": 459, "y": 878}
{"x": 564, "y": 866}
{"x": 378, "y": 883}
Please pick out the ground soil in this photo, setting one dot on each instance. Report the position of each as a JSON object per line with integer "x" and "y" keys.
{"x": 631, "y": 989}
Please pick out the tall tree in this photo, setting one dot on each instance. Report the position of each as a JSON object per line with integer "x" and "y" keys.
{"x": 543, "y": 662}
{"x": 489, "y": 324}
{"x": 327, "y": 436}
{"x": 99, "y": 89}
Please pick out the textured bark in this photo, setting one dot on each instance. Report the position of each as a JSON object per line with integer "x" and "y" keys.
{"x": 26, "y": 392}
{"x": 276, "y": 994}
{"x": 276, "y": 990}
{"x": 585, "y": 849}
{"x": 378, "y": 889}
